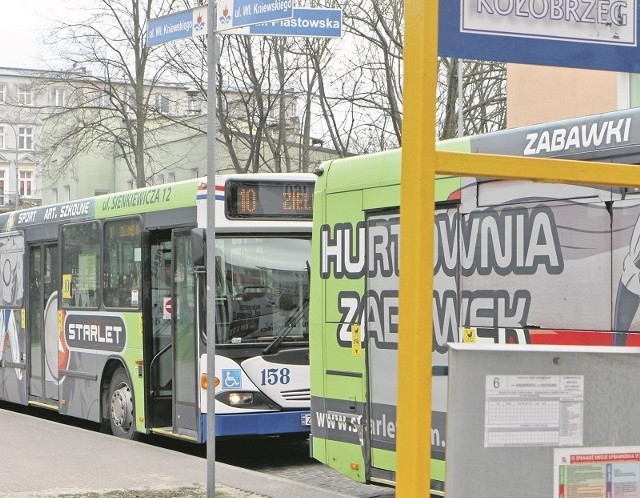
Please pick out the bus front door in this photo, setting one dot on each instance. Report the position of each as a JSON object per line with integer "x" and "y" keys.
{"x": 172, "y": 370}
{"x": 185, "y": 385}
{"x": 42, "y": 323}
{"x": 382, "y": 359}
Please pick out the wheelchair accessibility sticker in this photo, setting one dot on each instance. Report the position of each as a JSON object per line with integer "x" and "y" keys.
{"x": 231, "y": 378}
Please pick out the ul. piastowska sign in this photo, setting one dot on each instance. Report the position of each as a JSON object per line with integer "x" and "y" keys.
{"x": 593, "y": 34}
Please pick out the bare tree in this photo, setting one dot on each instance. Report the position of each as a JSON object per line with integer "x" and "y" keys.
{"x": 368, "y": 90}
{"x": 276, "y": 97}
{"x": 114, "y": 78}
{"x": 263, "y": 83}
{"x": 482, "y": 97}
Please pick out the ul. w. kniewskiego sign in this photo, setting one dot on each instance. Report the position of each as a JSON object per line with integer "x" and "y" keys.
{"x": 590, "y": 34}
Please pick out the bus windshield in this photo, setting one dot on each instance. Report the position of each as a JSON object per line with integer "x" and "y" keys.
{"x": 262, "y": 287}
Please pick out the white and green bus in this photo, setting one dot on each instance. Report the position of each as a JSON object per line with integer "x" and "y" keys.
{"x": 513, "y": 260}
{"x": 103, "y": 306}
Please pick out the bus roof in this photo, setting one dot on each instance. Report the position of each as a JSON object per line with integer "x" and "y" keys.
{"x": 148, "y": 199}
{"x": 613, "y": 136}
{"x": 381, "y": 169}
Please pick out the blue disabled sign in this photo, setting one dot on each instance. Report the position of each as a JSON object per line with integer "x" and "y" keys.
{"x": 238, "y": 13}
{"x": 309, "y": 23}
{"x": 184, "y": 24}
{"x": 590, "y": 34}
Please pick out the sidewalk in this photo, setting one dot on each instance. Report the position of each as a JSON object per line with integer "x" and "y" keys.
{"x": 41, "y": 458}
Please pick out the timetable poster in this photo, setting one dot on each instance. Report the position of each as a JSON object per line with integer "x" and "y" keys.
{"x": 533, "y": 410}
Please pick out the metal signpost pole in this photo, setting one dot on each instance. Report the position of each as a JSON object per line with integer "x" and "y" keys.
{"x": 163, "y": 29}
{"x": 212, "y": 128}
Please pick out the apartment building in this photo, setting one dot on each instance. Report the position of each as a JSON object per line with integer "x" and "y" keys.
{"x": 42, "y": 160}
{"x": 29, "y": 99}
{"x": 20, "y": 125}
{"x": 538, "y": 94}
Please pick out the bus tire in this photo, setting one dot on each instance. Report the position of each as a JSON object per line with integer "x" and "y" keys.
{"x": 121, "y": 406}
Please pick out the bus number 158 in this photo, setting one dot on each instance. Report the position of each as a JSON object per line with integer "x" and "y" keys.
{"x": 273, "y": 376}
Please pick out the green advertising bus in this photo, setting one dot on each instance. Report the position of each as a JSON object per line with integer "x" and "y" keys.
{"x": 512, "y": 262}
{"x": 103, "y": 306}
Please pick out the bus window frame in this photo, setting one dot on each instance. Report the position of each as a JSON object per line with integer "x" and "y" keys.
{"x": 61, "y": 244}
{"x": 104, "y": 224}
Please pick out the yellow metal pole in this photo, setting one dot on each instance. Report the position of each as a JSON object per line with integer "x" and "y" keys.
{"x": 416, "y": 257}
{"x": 538, "y": 169}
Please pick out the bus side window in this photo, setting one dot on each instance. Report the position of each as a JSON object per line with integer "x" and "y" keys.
{"x": 80, "y": 264}
{"x": 122, "y": 258}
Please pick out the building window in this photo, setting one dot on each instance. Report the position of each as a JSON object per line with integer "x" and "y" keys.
{"x": 4, "y": 200}
{"x": 25, "y": 138}
{"x": 195, "y": 173}
{"x": 25, "y": 95}
{"x": 54, "y": 195}
{"x": 26, "y": 183}
{"x": 171, "y": 177}
{"x": 3, "y": 93}
{"x": 3, "y": 144}
{"x": 66, "y": 193}
{"x": 194, "y": 104}
{"x": 162, "y": 103}
{"x": 106, "y": 101}
{"x": 130, "y": 100}
{"x": 58, "y": 97}
{"x": 292, "y": 108}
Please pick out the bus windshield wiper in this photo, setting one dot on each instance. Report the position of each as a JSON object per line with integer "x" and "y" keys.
{"x": 286, "y": 329}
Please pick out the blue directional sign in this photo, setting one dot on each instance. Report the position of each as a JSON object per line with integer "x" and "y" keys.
{"x": 184, "y": 24}
{"x": 310, "y": 23}
{"x": 238, "y": 13}
{"x": 598, "y": 34}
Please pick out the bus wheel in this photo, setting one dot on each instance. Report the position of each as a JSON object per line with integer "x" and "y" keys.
{"x": 121, "y": 408}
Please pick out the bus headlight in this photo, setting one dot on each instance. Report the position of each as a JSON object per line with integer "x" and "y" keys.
{"x": 240, "y": 399}
{"x": 247, "y": 399}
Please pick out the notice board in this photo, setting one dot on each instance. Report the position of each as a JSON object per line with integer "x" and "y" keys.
{"x": 543, "y": 421}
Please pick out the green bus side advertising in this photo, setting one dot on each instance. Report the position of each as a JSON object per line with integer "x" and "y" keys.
{"x": 512, "y": 262}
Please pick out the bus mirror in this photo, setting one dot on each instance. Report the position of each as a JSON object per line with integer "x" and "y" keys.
{"x": 198, "y": 247}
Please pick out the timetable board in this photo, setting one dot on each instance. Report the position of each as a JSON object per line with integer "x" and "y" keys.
{"x": 531, "y": 420}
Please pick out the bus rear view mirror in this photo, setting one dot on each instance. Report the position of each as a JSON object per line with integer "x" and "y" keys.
{"x": 198, "y": 247}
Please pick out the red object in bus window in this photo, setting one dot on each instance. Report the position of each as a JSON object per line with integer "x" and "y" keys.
{"x": 580, "y": 337}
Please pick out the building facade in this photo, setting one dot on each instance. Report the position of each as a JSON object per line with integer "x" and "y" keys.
{"x": 538, "y": 94}
{"x": 63, "y": 136}
{"x": 21, "y": 112}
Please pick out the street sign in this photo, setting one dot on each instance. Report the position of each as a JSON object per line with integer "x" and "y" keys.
{"x": 184, "y": 24}
{"x": 310, "y": 23}
{"x": 166, "y": 308}
{"x": 591, "y": 35}
{"x": 238, "y": 13}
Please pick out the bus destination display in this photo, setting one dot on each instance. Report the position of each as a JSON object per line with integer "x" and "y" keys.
{"x": 269, "y": 200}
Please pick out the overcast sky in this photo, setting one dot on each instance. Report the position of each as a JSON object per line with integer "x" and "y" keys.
{"x": 22, "y": 25}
